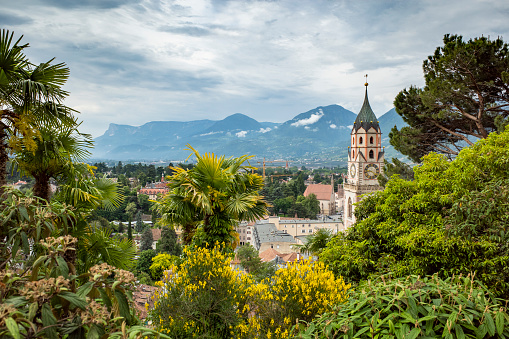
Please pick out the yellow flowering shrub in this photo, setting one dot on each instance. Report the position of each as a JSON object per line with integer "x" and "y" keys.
{"x": 201, "y": 296}
{"x": 204, "y": 297}
{"x": 301, "y": 291}
{"x": 161, "y": 263}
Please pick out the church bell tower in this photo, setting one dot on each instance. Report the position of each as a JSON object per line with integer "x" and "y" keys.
{"x": 365, "y": 159}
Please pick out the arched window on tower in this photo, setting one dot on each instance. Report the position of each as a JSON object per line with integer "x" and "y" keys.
{"x": 371, "y": 154}
{"x": 360, "y": 141}
{"x": 353, "y": 141}
{"x": 349, "y": 208}
{"x": 370, "y": 140}
{"x": 353, "y": 154}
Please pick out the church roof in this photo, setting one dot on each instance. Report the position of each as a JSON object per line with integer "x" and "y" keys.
{"x": 366, "y": 118}
{"x": 322, "y": 192}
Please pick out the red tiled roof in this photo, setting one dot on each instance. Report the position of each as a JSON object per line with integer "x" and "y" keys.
{"x": 289, "y": 257}
{"x": 269, "y": 254}
{"x": 322, "y": 192}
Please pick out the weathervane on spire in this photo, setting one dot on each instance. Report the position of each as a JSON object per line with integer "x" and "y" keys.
{"x": 366, "y": 84}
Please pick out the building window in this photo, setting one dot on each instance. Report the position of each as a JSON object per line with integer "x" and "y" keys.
{"x": 248, "y": 238}
{"x": 349, "y": 209}
{"x": 370, "y": 140}
{"x": 353, "y": 141}
{"x": 360, "y": 141}
{"x": 353, "y": 154}
{"x": 303, "y": 231}
{"x": 371, "y": 154}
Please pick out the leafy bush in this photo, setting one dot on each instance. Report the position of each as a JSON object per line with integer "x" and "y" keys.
{"x": 457, "y": 307}
{"x": 45, "y": 301}
{"x": 200, "y": 297}
{"x": 453, "y": 218}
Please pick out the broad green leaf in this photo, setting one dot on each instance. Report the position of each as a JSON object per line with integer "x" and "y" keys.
{"x": 48, "y": 320}
{"x": 361, "y": 331}
{"x": 12, "y": 326}
{"x": 123, "y": 305}
{"x": 499, "y": 320}
{"x": 62, "y": 266}
{"x": 74, "y": 299}
{"x": 414, "y": 333}
{"x": 24, "y": 212}
{"x": 490, "y": 323}
{"x": 85, "y": 289}
{"x": 459, "y": 331}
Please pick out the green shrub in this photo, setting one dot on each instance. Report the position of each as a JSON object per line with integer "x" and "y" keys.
{"x": 429, "y": 307}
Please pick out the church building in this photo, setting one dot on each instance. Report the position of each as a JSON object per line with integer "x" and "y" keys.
{"x": 365, "y": 160}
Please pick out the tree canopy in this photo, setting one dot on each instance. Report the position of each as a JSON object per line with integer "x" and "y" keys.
{"x": 453, "y": 218}
{"x": 465, "y": 97}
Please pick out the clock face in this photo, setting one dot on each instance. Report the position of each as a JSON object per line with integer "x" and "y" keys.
{"x": 371, "y": 171}
{"x": 352, "y": 170}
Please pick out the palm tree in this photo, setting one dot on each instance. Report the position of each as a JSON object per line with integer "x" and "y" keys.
{"x": 30, "y": 96}
{"x": 54, "y": 156}
{"x": 316, "y": 242}
{"x": 210, "y": 198}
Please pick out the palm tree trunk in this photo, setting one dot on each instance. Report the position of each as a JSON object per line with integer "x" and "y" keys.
{"x": 4, "y": 157}
{"x": 41, "y": 186}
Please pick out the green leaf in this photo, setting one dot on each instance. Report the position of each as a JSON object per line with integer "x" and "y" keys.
{"x": 74, "y": 299}
{"x": 490, "y": 323}
{"x": 24, "y": 212}
{"x": 123, "y": 305}
{"x": 357, "y": 335}
{"x": 32, "y": 311}
{"x": 26, "y": 245}
{"x": 499, "y": 320}
{"x": 12, "y": 326}
{"x": 3, "y": 78}
{"x": 48, "y": 321}
{"x": 85, "y": 289}
{"x": 459, "y": 331}
{"x": 62, "y": 266}
{"x": 481, "y": 331}
{"x": 414, "y": 333}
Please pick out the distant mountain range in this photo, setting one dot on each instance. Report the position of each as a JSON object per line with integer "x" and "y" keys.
{"x": 322, "y": 133}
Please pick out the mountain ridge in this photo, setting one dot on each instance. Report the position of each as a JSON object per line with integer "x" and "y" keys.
{"x": 319, "y": 133}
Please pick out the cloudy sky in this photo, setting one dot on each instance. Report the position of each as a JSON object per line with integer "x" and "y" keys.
{"x": 148, "y": 60}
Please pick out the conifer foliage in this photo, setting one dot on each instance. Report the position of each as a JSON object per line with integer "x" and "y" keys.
{"x": 466, "y": 97}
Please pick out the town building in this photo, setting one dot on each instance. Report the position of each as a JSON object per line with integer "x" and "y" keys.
{"x": 365, "y": 160}
{"x": 325, "y": 195}
{"x": 155, "y": 189}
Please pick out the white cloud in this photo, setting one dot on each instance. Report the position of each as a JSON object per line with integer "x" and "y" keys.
{"x": 241, "y": 134}
{"x": 265, "y": 130}
{"x": 210, "y": 133}
{"x": 181, "y": 60}
{"x": 333, "y": 126}
{"x": 309, "y": 121}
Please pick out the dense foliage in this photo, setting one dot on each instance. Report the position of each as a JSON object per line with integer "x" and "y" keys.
{"x": 412, "y": 307}
{"x": 209, "y": 199}
{"x": 203, "y": 297}
{"x": 452, "y": 219}
{"x": 465, "y": 97}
